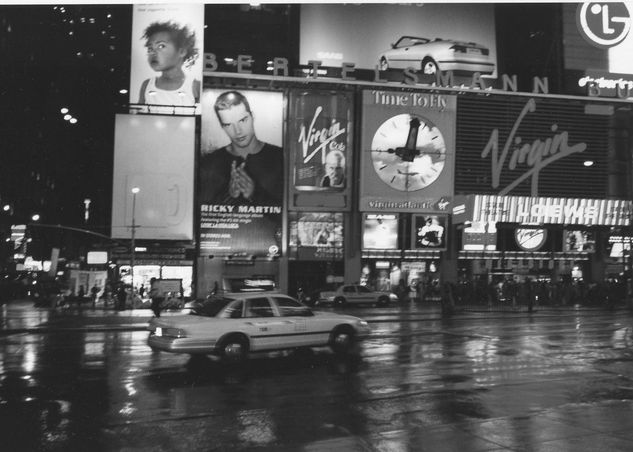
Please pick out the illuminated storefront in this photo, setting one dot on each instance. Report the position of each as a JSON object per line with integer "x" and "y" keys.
{"x": 372, "y": 173}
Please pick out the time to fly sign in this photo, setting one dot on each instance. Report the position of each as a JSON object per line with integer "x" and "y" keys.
{"x": 407, "y": 152}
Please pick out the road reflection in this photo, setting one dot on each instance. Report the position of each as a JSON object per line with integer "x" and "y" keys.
{"x": 413, "y": 381}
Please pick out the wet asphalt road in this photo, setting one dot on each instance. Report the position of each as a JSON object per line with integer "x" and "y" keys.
{"x": 475, "y": 382}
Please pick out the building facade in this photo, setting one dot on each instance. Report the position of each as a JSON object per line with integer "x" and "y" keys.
{"x": 388, "y": 168}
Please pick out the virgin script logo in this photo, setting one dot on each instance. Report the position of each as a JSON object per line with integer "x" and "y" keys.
{"x": 534, "y": 156}
{"x": 324, "y": 139}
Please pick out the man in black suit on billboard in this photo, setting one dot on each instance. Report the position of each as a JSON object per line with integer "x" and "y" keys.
{"x": 247, "y": 171}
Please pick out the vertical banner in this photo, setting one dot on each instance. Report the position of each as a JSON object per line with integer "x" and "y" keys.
{"x": 166, "y": 60}
{"x": 241, "y": 173}
{"x": 407, "y": 152}
{"x": 320, "y": 145}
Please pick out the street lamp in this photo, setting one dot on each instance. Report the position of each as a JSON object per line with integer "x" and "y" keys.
{"x": 135, "y": 190}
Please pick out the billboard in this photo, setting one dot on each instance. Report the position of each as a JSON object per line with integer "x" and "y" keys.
{"x": 166, "y": 59}
{"x": 364, "y": 34}
{"x": 407, "y": 151}
{"x": 320, "y": 148}
{"x": 156, "y": 155}
{"x": 241, "y": 173}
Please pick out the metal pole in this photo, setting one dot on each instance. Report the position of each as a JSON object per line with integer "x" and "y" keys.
{"x": 135, "y": 190}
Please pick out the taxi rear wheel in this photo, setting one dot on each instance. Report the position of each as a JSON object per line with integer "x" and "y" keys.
{"x": 340, "y": 301}
{"x": 234, "y": 348}
{"x": 342, "y": 339}
{"x": 383, "y": 301}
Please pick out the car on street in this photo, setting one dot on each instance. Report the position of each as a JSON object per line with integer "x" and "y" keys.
{"x": 233, "y": 325}
{"x": 352, "y": 294}
{"x": 433, "y": 55}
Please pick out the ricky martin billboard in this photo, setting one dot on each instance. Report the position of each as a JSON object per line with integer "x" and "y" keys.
{"x": 241, "y": 173}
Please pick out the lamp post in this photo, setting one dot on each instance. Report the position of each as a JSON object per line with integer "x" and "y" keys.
{"x": 135, "y": 190}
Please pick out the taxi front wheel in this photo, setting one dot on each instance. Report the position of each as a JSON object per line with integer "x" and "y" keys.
{"x": 342, "y": 340}
{"x": 234, "y": 348}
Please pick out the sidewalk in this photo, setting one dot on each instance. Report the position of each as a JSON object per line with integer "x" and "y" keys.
{"x": 22, "y": 316}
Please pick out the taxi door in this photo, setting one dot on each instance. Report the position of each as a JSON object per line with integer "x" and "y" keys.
{"x": 266, "y": 329}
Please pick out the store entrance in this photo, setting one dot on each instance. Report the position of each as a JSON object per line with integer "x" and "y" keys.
{"x": 314, "y": 275}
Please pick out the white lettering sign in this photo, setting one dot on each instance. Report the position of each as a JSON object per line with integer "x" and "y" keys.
{"x": 535, "y": 155}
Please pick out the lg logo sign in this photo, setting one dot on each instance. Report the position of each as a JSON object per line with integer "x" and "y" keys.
{"x": 603, "y": 24}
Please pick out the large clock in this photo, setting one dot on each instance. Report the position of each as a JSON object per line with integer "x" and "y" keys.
{"x": 408, "y": 152}
{"x": 530, "y": 239}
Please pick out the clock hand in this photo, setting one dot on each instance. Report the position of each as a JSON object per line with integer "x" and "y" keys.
{"x": 410, "y": 151}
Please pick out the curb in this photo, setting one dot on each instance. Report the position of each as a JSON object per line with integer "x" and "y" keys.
{"x": 73, "y": 329}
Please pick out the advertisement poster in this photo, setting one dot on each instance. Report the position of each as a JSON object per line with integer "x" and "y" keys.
{"x": 407, "y": 152}
{"x": 380, "y": 231}
{"x": 426, "y": 37}
{"x": 167, "y": 53}
{"x": 316, "y": 236}
{"x": 429, "y": 232}
{"x": 320, "y": 139}
{"x": 154, "y": 154}
{"x": 241, "y": 173}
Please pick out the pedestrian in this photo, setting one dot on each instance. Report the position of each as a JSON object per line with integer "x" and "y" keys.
{"x": 529, "y": 295}
{"x": 121, "y": 296}
{"x": 301, "y": 296}
{"x": 155, "y": 295}
{"x": 81, "y": 295}
{"x": 93, "y": 293}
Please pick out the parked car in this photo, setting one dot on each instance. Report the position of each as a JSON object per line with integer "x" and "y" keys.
{"x": 234, "y": 325}
{"x": 431, "y": 56}
{"x": 355, "y": 293}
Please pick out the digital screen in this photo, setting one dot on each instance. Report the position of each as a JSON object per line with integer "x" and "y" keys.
{"x": 429, "y": 232}
{"x": 317, "y": 235}
{"x": 577, "y": 240}
{"x": 380, "y": 231}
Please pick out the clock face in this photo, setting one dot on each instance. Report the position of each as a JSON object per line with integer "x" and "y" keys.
{"x": 530, "y": 239}
{"x": 402, "y": 163}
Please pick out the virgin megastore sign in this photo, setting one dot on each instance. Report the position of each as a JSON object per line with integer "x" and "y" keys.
{"x": 542, "y": 210}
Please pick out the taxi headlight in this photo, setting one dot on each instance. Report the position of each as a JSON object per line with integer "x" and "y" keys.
{"x": 169, "y": 332}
